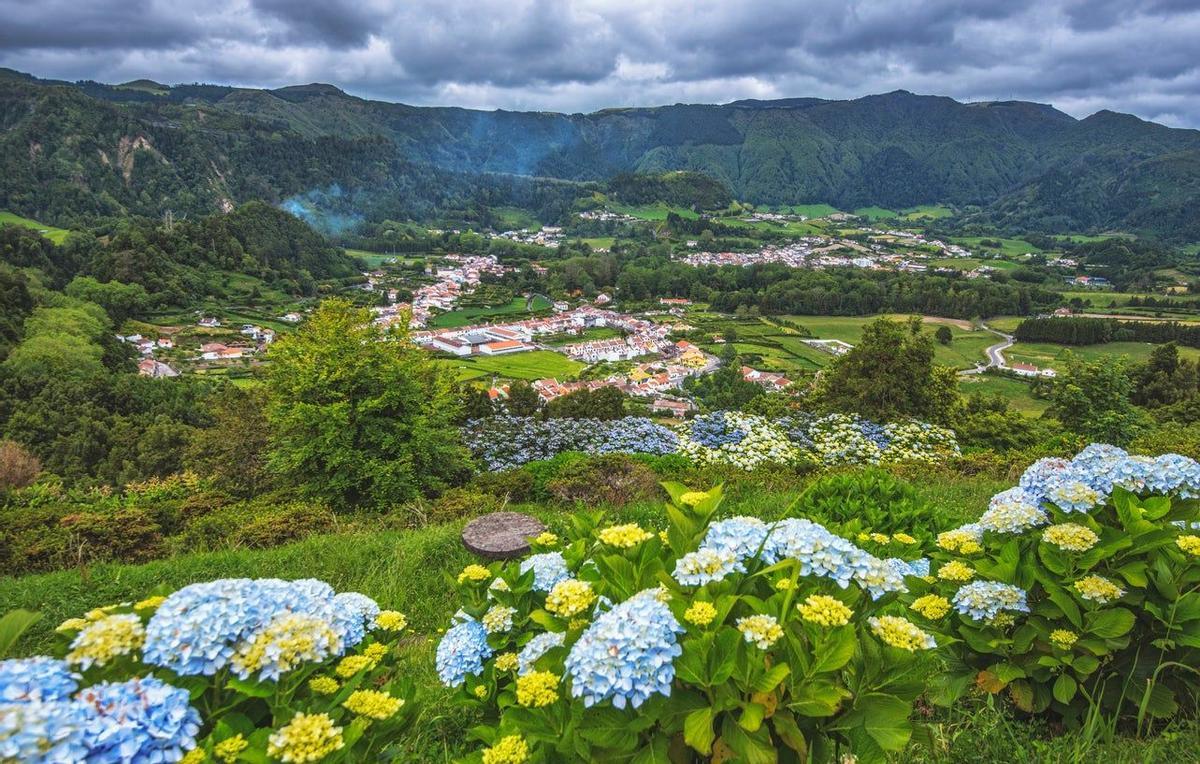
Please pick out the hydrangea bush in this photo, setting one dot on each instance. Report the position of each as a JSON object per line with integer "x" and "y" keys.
{"x": 729, "y": 438}
{"x": 223, "y": 671}
{"x": 731, "y": 639}
{"x": 1077, "y": 589}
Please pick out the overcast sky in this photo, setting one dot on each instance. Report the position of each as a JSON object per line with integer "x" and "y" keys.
{"x": 1138, "y": 56}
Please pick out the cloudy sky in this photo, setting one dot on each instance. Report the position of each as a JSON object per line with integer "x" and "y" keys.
{"x": 1138, "y": 56}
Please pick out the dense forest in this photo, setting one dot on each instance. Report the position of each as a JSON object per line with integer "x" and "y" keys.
{"x": 1093, "y": 331}
{"x": 89, "y": 149}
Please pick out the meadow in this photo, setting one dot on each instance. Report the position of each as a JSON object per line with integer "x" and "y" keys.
{"x": 467, "y": 316}
{"x": 965, "y": 349}
{"x": 56, "y": 235}
{"x": 1045, "y": 354}
{"x": 531, "y": 365}
{"x": 1008, "y": 247}
{"x": 1015, "y": 391}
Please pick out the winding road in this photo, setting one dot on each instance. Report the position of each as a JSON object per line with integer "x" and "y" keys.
{"x": 995, "y": 353}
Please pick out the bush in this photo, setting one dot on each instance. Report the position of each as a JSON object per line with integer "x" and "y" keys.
{"x": 252, "y": 670}
{"x": 730, "y": 639}
{"x": 18, "y": 467}
{"x": 611, "y": 479}
{"x": 1078, "y": 590}
{"x": 256, "y": 524}
{"x": 129, "y": 534}
{"x": 516, "y": 485}
{"x": 870, "y": 499}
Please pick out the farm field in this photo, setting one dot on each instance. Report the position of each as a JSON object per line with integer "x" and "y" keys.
{"x": 875, "y": 213}
{"x": 1008, "y": 247}
{"x": 1044, "y": 354}
{"x": 531, "y": 365}
{"x": 599, "y": 242}
{"x": 55, "y": 235}
{"x": 927, "y": 211}
{"x": 653, "y": 212}
{"x": 509, "y": 218}
{"x": 467, "y": 316}
{"x": 1014, "y": 390}
{"x": 811, "y": 210}
{"x": 970, "y": 263}
{"x": 965, "y": 349}
{"x": 376, "y": 259}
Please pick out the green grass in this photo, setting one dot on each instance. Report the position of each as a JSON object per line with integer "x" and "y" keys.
{"x": 535, "y": 364}
{"x": 467, "y": 316}
{"x": 1015, "y": 391}
{"x": 599, "y": 242}
{"x": 56, "y": 235}
{"x": 875, "y": 213}
{"x": 964, "y": 350}
{"x": 1046, "y": 354}
{"x": 1008, "y": 247}
{"x": 927, "y": 211}
{"x": 653, "y": 212}
{"x": 811, "y": 210}
{"x": 971, "y": 263}
{"x": 511, "y": 218}
{"x": 376, "y": 259}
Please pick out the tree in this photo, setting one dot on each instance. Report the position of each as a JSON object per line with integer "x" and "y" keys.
{"x": 1092, "y": 398}
{"x": 944, "y": 335}
{"x": 358, "y": 415}
{"x": 890, "y": 375}
{"x": 604, "y": 403}
{"x": 522, "y": 399}
{"x": 233, "y": 451}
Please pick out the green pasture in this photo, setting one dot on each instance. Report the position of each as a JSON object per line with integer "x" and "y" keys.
{"x": 56, "y": 235}
{"x": 530, "y": 365}
{"x": 1015, "y": 391}
{"x": 468, "y": 316}
{"x": 1046, "y": 354}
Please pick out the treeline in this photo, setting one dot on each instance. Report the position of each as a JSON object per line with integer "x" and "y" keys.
{"x": 1093, "y": 331}
{"x": 681, "y": 189}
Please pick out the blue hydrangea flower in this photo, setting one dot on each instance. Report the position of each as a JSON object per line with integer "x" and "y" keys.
{"x": 983, "y": 600}
{"x": 1093, "y": 466}
{"x": 704, "y": 566}
{"x": 461, "y": 652}
{"x": 549, "y": 568}
{"x": 627, "y": 654}
{"x": 917, "y": 568}
{"x": 877, "y": 576}
{"x": 1013, "y": 511}
{"x": 1042, "y": 475}
{"x": 1173, "y": 473}
{"x": 37, "y": 679}
{"x": 536, "y": 648}
{"x": 352, "y": 615}
{"x": 741, "y": 536}
{"x": 139, "y": 720}
{"x": 1072, "y": 495}
{"x": 39, "y": 732}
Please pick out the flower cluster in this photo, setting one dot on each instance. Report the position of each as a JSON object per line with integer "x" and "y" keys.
{"x": 843, "y": 439}
{"x": 824, "y": 610}
{"x": 901, "y": 633}
{"x": 505, "y": 442}
{"x": 462, "y": 651}
{"x": 983, "y": 600}
{"x": 740, "y": 440}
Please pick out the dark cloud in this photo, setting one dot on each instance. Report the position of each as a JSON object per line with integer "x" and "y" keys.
{"x": 576, "y": 55}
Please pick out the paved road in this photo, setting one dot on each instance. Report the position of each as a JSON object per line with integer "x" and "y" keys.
{"x": 995, "y": 353}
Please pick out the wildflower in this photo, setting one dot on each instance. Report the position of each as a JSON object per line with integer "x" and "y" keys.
{"x": 537, "y": 689}
{"x": 288, "y": 642}
{"x": 480, "y": 691}
{"x": 624, "y": 536}
{"x": 506, "y": 661}
{"x": 903, "y": 538}
{"x": 462, "y": 651}
{"x": 373, "y": 704}
{"x": 627, "y": 654}
{"x": 1063, "y": 639}
{"x": 1098, "y": 589}
{"x": 36, "y": 680}
{"x": 545, "y": 538}
{"x": 955, "y": 571}
{"x": 983, "y": 600}
{"x": 306, "y": 738}
{"x": 323, "y": 685}
{"x": 507, "y": 750}
{"x": 824, "y": 610}
{"x": 1070, "y": 537}
{"x": 536, "y": 648}
{"x": 901, "y": 633}
{"x": 760, "y": 630}
{"x": 194, "y": 756}
{"x": 692, "y": 498}
{"x": 1189, "y": 543}
{"x": 391, "y": 620}
{"x": 705, "y": 566}
{"x": 474, "y": 573}
{"x": 110, "y": 637}
{"x": 228, "y": 749}
{"x": 570, "y": 598}
{"x": 351, "y": 665}
{"x": 548, "y": 569}
{"x": 142, "y": 719}
{"x": 931, "y": 606}
{"x": 150, "y": 603}
{"x": 964, "y": 540}
{"x": 498, "y": 619}
{"x": 700, "y": 613}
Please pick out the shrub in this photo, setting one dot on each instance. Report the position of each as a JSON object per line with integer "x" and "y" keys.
{"x": 129, "y": 534}
{"x": 733, "y": 639}
{"x": 1078, "y": 590}
{"x": 256, "y": 524}
{"x": 515, "y": 485}
{"x": 18, "y": 467}
{"x": 235, "y": 669}
{"x": 869, "y": 499}
{"x": 612, "y": 479}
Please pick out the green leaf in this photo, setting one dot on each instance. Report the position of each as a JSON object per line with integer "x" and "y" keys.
{"x": 1066, "y": 604}
{"x": 789, "y": 732}
{"x": 771, "y": 679}
{"x": 1064, "y": 689}
{"x": 836, "y": 651}
{"x": 250, "y": 689}
{"x": 608, "y": 728}
{"x": 655, "y": 753}
{"x": 752, "y": 716}
{"x": 698, "y": 730}
{"x": 884, "y": 718}
{"x": 1110, "y": 624}
{"x": 816, "y": 698}
{"x": 13, "y": 625}
{"x": 750, "y": 747}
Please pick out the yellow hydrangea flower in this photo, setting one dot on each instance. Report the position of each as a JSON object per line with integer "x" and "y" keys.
{"x": 73, "y": 624}
{"x": 624, "y": 536}
{"x": 228, "y": 749}
{"x": 352, "y": 664}
{"x": 570, "y": 598}
{"x": 545, "y": 538}
{"x": 1063, "y": 639}
{"x": 700, "y": 613}
{"x": 760, "y": 630}
{"x": 1189, "y": 543}
{"x": 824, "y": 610}
{"x": 288, "y": 641}
{"x": 785, "y": 584}
{"x": 537, "y": 689}
{"x": 881, "y": 538}
{"x": 391, "y": 620}
{"x": 474, "y": 573}
{"x": 507, "y": 750}
{"x": 110, "y": 637}
{"x": 373, "y": 704}
{"x": 194, "y": 756}
{"x": 903, "y": 538}
{"x": 306, "y": 738}
{"x": 1070, "y": 537}
{"x": 323, "y": 685}
{"x": 375, "y": 651}
{"x": 692, "y": 498}
{"x": 955, "y": 571}
{"x": 150, "y": 603}
{"x": 480, "y": 691}
{"x": 1098, "y": 589}
{"x": 576, "y": 624}
{"x": 931, "y": 606}
{"x": 960, "y": 541}
{"x": 901, "y": 633}
{"x": 664, "y": 537}
{"x": 506, "y": 662}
